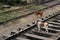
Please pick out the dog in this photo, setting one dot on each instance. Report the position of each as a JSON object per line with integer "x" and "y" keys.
{"x": 42, "y": 24}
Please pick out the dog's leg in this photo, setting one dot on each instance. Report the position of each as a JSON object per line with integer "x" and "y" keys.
{"x": 46, "y": 27}
{"x": 38, "y": 25}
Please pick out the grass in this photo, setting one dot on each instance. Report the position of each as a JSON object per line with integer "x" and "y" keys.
{"x": 8, "y": 9}
{"x": 5, "y": 17}
{"x": 34, "y": 7}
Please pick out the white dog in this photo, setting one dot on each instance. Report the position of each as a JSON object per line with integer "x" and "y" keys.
{"x": 42, "y": 24}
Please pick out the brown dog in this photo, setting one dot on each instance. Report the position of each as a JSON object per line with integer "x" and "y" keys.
{"x": 39, "y": 13}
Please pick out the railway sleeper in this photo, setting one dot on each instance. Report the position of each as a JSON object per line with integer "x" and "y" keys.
{"x": 57, "y": 24}
{"x": 53, "y": 27}
{"x": 57, "y": 18}
{"x": 37, "y": 36}
{"x": 58, "y": 38}
{"x": 50, "y": 30}
{"x": 54, "y": 30}
{"x": 57, "y": 21}
{"x": 44, "y": 34}
{"x": 54, "y": 21}
{"x": 20, "y": 38}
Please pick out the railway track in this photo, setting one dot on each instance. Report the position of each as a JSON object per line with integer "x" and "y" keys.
{"x": 31, "y": 32}
{"x": 33, "y": 35}
{"x": 28, "y": 12}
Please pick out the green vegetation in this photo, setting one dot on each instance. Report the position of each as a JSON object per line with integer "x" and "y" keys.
{"x": 5, "y": 17}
